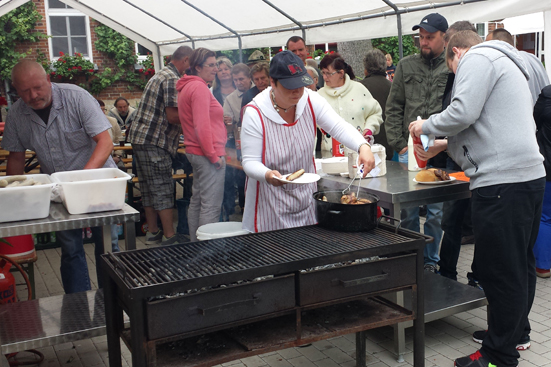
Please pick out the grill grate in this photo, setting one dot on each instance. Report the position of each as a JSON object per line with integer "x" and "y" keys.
{"x": 234, "y": 254}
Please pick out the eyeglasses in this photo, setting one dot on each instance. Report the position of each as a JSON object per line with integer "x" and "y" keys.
{"x": 213, "y": 65}
{"x": 328, "y": 74}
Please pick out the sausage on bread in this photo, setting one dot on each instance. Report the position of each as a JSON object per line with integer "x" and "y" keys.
{"x": 293, "y": 176}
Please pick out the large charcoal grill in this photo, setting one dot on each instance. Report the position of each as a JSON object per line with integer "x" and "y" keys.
{"x": 139, "y": 280}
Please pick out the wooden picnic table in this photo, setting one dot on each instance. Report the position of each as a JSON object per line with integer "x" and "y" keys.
{"x": 231, "y": 157}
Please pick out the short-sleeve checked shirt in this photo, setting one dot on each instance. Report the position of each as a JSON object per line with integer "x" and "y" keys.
{"x": 65, "y": 143}
{"x": 150, "y": 125}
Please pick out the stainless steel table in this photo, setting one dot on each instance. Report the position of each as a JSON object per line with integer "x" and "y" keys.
{"x": 396, "y": 190}
{"x": 59, "y": 219}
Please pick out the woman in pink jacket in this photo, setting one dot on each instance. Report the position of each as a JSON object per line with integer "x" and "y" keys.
{"x": 202, "y": 119}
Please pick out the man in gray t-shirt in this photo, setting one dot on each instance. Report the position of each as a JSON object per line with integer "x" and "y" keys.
{"x": 64, "y": 126}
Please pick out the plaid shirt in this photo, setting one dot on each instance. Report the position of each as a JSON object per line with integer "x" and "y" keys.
{"x": 150, "y": 125}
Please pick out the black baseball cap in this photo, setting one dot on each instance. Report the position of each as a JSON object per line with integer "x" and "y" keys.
{"x": 432, "y": 23}
{"x": 289, "y": 70}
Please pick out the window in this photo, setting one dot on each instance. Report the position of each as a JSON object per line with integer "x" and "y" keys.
{"x": 481, "y": 29}
{"x": 69, "y": 30}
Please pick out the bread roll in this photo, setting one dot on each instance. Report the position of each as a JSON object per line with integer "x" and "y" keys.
{"x": 426, "y": 175}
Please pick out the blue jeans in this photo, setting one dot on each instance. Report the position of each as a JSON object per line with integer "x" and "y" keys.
{"x": 542, "y": 248}
{"x": 432, "y": 227}
{"x": 74, "y": 269}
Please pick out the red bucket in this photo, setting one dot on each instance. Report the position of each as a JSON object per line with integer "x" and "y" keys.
{"x": 20, "y": 246}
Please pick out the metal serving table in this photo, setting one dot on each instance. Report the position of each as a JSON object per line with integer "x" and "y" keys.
{"x": 396, "y": 190}
{"x": 59, "y": 219}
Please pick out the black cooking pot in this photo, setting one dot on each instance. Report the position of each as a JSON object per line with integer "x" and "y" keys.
{"x": 331, "y": 214}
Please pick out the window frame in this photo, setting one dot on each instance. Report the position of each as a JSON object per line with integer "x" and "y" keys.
{"x": 57, "y": 12}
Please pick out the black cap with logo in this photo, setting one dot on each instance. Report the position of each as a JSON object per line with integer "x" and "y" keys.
{"x": 432, "y": 23}
{"x": 289, "y": 70}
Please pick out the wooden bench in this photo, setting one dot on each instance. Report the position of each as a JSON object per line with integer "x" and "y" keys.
{"x": 178, "y": 177}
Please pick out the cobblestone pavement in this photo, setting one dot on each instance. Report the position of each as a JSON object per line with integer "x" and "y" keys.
{"x": 446, "y": 339}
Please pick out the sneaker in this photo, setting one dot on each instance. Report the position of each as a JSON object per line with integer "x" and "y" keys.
{"x": 543, "y": 273}
{"x": 170, "y": 241}
{"x": 473, "y": 282}
{"x": 430, "y": 267}
{"x": 474, "y": 360}
{"x": 154, "y": 238}
{"x": 523, "y": 344}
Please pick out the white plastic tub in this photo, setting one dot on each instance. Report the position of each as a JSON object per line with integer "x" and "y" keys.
{"x": 220, "y": 230}
{"x": 92, "y": 190}
{"x": 26, "y": 202}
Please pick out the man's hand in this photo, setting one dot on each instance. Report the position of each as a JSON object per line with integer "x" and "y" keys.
{"x": 269, "y": 176}
{"x": 439, "y": 146}
{"x": 403, "y": 150}
{"x": 104, "y": 148}
{"x": 219, "y": 163}
{"x": 416, "y": 128}
{"x": 172, "y": 115}
{"x": 365, "y": 157}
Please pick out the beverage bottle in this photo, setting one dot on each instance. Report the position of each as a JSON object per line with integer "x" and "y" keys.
{"x": 238, "y": 143}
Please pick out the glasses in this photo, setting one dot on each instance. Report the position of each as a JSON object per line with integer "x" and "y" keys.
{"x": 213, "y": 65}
{"x": 328, "y": 74}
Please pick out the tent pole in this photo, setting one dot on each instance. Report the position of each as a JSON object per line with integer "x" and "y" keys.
{"x": 161, "y": 21}
{"x": 399, "y": 21}
{"x": 303, "y": 29}
{"x": 158, "y": 63}
{"x": 220, "y": 24}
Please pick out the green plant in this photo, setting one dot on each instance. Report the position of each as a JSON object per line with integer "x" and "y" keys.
{"x": 116, "y": 45}
{"x": 68, "y": 67}
{"x": 16, "y": 27}
{"x": 389, "y": 45}
{"x": 147, "y": 66}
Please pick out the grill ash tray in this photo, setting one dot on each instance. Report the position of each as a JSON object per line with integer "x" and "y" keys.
{"x": 218, "y": 307}
{"x": 279, "y": 333}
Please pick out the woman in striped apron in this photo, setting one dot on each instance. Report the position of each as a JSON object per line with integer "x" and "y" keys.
{"x": 278, "y": 137}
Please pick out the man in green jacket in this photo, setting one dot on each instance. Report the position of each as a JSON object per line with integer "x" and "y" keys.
{"x": 417, "y": 90}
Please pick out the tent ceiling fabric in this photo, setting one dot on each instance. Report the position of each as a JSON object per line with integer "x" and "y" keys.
{"x": 163, "y": 25}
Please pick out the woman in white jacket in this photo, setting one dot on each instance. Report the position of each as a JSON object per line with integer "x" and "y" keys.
{"x": 350, "y": 99}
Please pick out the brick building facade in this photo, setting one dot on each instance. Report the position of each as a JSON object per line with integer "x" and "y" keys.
{"x": 101, "y": 59}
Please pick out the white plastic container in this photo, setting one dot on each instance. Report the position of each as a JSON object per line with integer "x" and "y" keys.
{"x": 26, "y": 202}
{"x": 220, "y": 230}
{"x": 92, "y": 190}
{"x": 334, "y": 165}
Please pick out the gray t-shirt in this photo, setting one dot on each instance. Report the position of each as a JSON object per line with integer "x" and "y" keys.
{"x": 65, "y": 143}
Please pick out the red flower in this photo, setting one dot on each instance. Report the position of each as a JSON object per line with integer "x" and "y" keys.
{"x": 79, "y": 67}
{"x": 280, "y": 49}
{"x": 326, "y": 52}
{"x": 140, "y": 71}
{"x": 309, "y": 57}
{"x": 61, "y": 53}
{"x": 332, "y": 52}
{"x": 91, "y": 70}
{"x": 3, "y": 101}
{"x": 146, "y": 73}
{"x": 64, "y": 61}
{"x": 52, "y": 73}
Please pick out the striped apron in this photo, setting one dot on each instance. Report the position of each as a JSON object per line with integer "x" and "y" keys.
{"x": 286, "y": 148}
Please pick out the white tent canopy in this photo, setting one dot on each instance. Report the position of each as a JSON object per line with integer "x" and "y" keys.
{"x": 163, "y": 25}
{"x": 529, "y": 23}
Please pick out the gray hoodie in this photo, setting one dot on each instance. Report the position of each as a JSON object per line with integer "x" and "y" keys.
{"x": 489, "y": 123}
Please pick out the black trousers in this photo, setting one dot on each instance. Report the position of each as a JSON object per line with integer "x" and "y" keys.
{"x": 506, "y": 220}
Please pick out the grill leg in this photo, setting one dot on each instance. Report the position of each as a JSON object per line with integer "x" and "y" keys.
{"x": 137, "y": 330}
{"x": 113, "y": 321}
{"x": 360, "y": 349}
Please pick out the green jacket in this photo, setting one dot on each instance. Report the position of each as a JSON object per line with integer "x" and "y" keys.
{"x": 417, "y": 90}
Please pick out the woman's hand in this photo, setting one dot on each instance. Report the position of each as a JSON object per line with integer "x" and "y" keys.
{"x": 416, "y": 127}
{"x": 439, "y": 146}
{"x": 271, "y": 180}
{"x": 219, "y": 163}
{"x": 365, "y": 157}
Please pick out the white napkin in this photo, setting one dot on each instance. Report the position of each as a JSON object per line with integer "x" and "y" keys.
{"x": 427, "y": 141}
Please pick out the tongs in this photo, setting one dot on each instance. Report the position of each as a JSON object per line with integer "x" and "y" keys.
{"x": 360, "y": 172}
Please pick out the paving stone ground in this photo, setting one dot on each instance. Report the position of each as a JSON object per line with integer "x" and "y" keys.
{"x": 446, "y": 339}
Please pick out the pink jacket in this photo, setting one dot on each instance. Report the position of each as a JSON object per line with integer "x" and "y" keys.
{"x": 202, "y": 119}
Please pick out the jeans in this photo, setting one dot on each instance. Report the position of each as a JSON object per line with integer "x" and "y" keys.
{"x": 74, "y": 269}
{"x": 542, "y": 248}
{"x": 207, "y": 193}
{"x": 453, "y": 218}
{"x": 432, "y": 227}
{"x": 506, "y": 219}
{"x": 115, "y": 238}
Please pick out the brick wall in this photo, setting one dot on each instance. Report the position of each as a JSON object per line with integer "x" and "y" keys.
{"x": 102, "y": 60}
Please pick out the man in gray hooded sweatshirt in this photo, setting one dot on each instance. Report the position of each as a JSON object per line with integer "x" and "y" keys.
{"x": 491, "y": 135}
